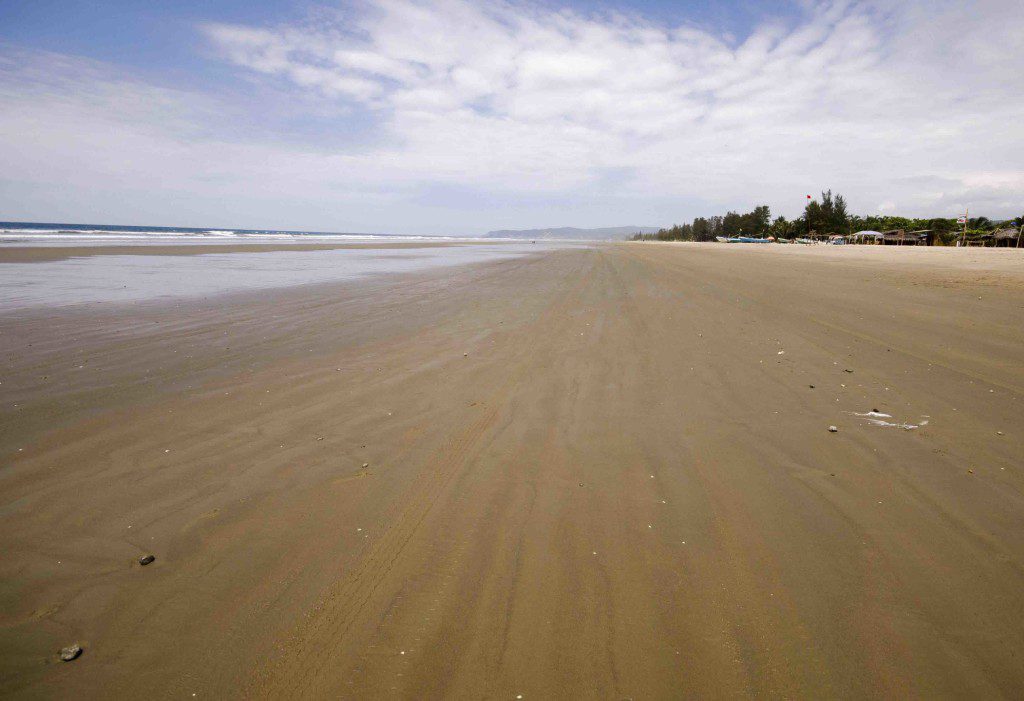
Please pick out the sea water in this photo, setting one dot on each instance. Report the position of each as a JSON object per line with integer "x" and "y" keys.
{"x": 132, "y": 278}
{"x": 44, "y": 234}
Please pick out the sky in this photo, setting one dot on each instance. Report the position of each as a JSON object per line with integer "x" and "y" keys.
{"x": 456, "y": 117}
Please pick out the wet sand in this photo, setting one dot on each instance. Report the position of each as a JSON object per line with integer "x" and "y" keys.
{"x": 35, "y": 254}
{"x": 597, "y": 472}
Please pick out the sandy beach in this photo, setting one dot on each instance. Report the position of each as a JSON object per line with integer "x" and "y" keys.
{"x": 599, "y": 472}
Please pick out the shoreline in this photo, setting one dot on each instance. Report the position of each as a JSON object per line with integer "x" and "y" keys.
{"x": 60, "y": 277}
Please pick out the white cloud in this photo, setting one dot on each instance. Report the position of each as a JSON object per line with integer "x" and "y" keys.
{"x": 908, "y": 105}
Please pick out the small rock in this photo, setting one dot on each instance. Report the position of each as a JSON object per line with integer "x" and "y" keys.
{"x": 581, "y": 484}
{"x": 811, "y": 386}
{"x": 832, "y": 429}
{"x": 970, "y": 472}
{"x": 465, "y": 355}
{"x": 70, "y": 652}
{"x": 366, "y": 465}
{"x": 848, "y": 370}
{"x": 146, "y": 559}
{"x": 999, "y": 433}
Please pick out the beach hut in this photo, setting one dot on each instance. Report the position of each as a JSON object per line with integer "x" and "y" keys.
{"x": 1007, "y": 238}
{"x": 868, "y": 236}
{"x": 984, "y": 239}
{"x": 899, "y": 237}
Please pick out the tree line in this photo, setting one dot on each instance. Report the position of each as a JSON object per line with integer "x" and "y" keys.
{"x": 820, "y": 218}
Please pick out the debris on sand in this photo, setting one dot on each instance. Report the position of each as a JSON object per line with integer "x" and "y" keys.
{"x": 70, "y": 652}
{"x": 878, "y": 418}
{"x": 890, "y": 424}
{"x": 366, "y": 465}
{"x": 146, "y": 559}
{"x": 833, "y": 429}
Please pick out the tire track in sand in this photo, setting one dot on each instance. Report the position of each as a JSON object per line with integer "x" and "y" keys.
{"x": 316, "y": 641}
{"x": 303, "y": 669}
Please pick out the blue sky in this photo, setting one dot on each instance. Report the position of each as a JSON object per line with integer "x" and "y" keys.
{"x": 459, "y": 117}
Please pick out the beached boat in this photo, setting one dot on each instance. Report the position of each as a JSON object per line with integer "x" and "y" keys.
{"x": 741, "y": 239}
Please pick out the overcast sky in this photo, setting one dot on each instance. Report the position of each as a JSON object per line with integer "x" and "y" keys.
{"x": 459, "y": 117}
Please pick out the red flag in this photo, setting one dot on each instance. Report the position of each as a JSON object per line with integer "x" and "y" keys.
{"x": 808, "y": 197}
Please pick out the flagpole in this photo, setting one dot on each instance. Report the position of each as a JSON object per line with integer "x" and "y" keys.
{"x": 807, "y": 215}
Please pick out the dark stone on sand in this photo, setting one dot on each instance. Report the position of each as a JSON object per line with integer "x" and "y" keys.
{"x": 70, "y": 652}
{"x": 146, "y": 559}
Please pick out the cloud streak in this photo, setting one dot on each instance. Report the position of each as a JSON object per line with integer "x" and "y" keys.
{"x": 912, "y": 105}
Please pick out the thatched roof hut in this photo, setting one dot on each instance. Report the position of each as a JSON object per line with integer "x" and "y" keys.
{"x": 1010, "y": 238}
{"x": 899, "y": 237}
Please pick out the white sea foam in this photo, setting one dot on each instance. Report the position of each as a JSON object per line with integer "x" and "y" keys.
{"x": 39, "y": 236}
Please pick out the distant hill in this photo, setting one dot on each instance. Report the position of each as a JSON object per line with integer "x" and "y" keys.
{"x": 572, "y": 233}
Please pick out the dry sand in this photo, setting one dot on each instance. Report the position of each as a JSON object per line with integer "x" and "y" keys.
{"x": 591, "y": 473}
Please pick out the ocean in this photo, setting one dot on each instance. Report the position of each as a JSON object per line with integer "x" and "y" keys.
{"x": 44, "y": 234}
